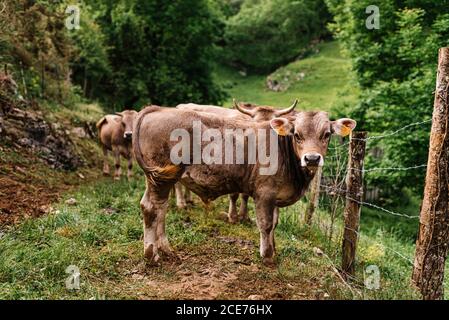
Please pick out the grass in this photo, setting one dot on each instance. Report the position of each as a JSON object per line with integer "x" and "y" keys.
{"x": 327, "y": 78}
{"x": 102, "y": 236}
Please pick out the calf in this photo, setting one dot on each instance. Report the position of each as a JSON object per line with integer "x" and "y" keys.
{"x": 296, "y": 147}
{"x": 115, "y": 133}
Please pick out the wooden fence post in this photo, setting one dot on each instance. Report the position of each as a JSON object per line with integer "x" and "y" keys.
{"x": 433, "y": 237}
{"x": 314, "y": 196}
{"x": 354, "y": 196}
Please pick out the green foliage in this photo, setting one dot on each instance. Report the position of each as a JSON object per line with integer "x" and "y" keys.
{"x": 159, "y": 51}
{"x": 268, "y": 33}
{"x": 395, "y": 67}
{"x": 90, "y": 63}
{"x": 34, "y": 43}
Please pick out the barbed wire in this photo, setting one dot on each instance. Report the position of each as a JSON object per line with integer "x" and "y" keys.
{"x": 364, "y": 203}
{"x": 394, "y": 132}
{"x": 340, "y": 152}
{"x": 409, "y": 260}
{"x": 390, "y": 168}
{"x": 383, "y": 135}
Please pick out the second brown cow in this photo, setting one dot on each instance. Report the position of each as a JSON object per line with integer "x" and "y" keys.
{"x": 115, "y": 132}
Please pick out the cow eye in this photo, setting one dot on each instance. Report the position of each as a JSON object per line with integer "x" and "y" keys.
{"x": 327, "y": 135}
{"x": 298, "y": 137}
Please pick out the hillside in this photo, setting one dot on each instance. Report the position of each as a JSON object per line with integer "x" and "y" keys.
{"x": 325, "y": 78}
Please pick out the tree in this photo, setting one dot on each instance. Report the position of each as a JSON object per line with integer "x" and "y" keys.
{"x": 395, "y": 68}
{"x": 266, "y": 34}
{"x": 160, "y": 51}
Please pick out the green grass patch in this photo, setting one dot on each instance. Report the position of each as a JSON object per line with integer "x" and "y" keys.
{"x": 327, "y": 79}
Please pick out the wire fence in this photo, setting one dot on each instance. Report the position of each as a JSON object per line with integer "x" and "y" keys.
{"x": 333, "y": 182}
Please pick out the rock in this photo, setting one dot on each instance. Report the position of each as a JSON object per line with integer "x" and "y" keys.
{"x": 25, "y": 142}
{"x": 81, "y": 175}
{"x": 21, "y": 170}
{"x": 137, "y": 276}
{"x": 255, "y": 297}
{"x": 49, "y": 141}
{"x": 71, "y": 201}
{"x": 79, "y": 132}
{"x": 318, "y": 252}
{"x": 243, "y": 73}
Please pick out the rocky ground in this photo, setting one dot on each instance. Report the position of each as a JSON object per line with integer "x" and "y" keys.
{"x": 37, "y": 156}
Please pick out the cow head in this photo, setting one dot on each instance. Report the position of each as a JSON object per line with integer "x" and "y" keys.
{"x": 263, "y": 113}
{"x": 311, "y": 133}
{"x": 127, "y": 119}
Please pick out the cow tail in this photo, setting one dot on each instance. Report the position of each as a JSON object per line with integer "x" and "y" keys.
{"x": 155, "y": 175}
{"x": 100, "y": 123}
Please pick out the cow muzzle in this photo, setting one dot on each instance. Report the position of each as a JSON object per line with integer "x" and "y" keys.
{"x": 128, "y": 135}
{"x": 312, "y": 159}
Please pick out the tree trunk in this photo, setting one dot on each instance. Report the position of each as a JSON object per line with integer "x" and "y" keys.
{"x": 354, "y": 197}
{"x": 433, "y": 236}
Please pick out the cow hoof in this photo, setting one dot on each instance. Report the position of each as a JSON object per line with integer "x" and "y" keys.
{"x": 117, "y": 178}
{"x": 167, "y": 250}
{"x": 150, "y": 256}
{"x": 246, "y": 220}
{"x": 269, "y": 262}
{"x": 232, "y": 220}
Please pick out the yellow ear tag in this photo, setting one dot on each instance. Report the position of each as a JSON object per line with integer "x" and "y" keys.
{"x": 345, "y": 131}
{"x": 281, "y": 131}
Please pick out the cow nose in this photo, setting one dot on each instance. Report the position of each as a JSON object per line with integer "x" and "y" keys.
{"x": 128, "y": 135}
{"x": 312, "y": 159}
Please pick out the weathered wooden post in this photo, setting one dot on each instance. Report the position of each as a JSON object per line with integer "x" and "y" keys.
{"x": 314, "y": 196}
{"x": 433, "y": 237}
{"x": 354, "y": 197}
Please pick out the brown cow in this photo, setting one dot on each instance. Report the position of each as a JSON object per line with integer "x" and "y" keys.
{"x": 115, "y": 133}
{"x": 296, "y": 146}
{"x": 245, "y": 112}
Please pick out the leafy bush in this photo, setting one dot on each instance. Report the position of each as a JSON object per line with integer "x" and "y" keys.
{"x": 266, "y": 34}
{"x": 395, "y": 67}
{"x": 160, "y": 51}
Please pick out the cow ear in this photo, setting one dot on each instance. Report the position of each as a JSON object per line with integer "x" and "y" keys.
{"x": 119, "y": 114}
{"x": 281, "y": 125}
{"x": 343, "y": 126}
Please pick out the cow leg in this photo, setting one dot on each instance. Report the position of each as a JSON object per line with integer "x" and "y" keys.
{"x": 130, "y": 167}
{"x": 154, "y": 206}
{"x": 163, "y": 243}
{"x": 232, "y": 213}
{"x": 188, "y": 196}
{"x": 243, "y": 212}
{"x": 265, "y": 214}
{"x": 105, "y": 161}
{"x": 275, "y": 223}
{"x": 118, "y": 169}
{"x": 180, "y": 200}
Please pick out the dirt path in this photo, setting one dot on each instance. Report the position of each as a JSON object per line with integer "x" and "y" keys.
{"x": 222, "y": 268}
